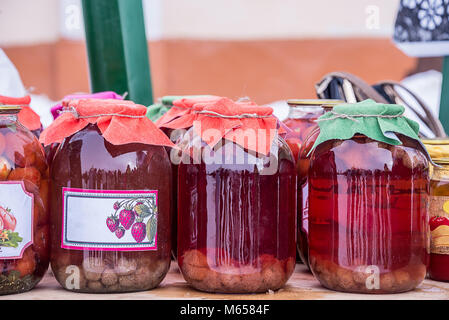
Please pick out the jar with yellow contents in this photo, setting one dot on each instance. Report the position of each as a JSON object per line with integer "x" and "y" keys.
{"x": 439, "y": 221}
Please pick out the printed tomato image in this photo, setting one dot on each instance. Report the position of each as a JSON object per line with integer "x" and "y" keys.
{"x": 8, "y": 219}
{"x": 435, "y": 222}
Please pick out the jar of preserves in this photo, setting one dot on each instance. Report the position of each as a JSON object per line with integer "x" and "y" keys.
{"x": 24, "y": 229}
{"x": 236, "y": 200}
{"x": 439, "y": 221}
{"x": 301, "y": 120}
{"x": 368, "y": 200}
{"x": 110, "y": 197}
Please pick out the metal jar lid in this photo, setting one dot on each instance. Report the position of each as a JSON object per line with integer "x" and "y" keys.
{"x": 9, "y": 109}
{"x": 313, "y": 102}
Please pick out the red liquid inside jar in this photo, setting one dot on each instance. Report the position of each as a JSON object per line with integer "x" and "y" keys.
{"x": 236, "y": 226}
{"x": 87, "y": 161}
{"x": 368, "y": 218}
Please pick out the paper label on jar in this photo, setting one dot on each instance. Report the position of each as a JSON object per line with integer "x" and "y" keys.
{"x": 16, "y": 219}
{"x": 109, "y": 220}
{"x": 439, "y": 224}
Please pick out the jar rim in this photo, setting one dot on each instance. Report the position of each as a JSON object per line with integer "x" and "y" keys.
{"x": 9, "y": 109}
{"x": 435, "y": 142}
{"x": 314, "y": 102}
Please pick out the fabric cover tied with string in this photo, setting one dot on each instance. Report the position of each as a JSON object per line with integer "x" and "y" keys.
{"x": 120, "y": 122}
{"x": 374, "y": 120}
{"x": 56, "y": 110}
{"x": 26, "y": 116}
{"x": 245, "y": 123}
{"x": 184, "y": 107}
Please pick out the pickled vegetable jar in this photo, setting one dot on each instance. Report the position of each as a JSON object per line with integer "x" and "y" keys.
{"x": 368, "y": 200}
{"x": 236, "y": 201}
{"x": 24, "y": 229}
{"x": 439, "y": 221}
{"x": 301, "y": 119}
{"x": 110, "y": 203}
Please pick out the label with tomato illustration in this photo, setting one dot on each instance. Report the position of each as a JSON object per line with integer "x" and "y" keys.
{"x": 16, "y": 219}
{"x": 439, "y": 224}
{"x": 111, "y": 220}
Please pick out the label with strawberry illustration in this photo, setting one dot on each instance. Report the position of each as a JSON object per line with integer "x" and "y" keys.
{"x": 16, "y": 219}
{"x": 439, "y": 224}
{"x": 112, "y": 220}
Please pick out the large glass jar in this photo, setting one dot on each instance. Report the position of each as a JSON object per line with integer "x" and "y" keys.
{"x": 110, "y": 216}
{"x": 302, "y": 118}
{"x": 236, "y": 216}
{"x": 368, "y": 215}
{"x": 24, "y": 230}
{"x": 439, "y": 221}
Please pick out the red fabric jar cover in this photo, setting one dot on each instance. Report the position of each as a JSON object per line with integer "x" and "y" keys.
{"x": 234, "y": 121}
{"x": 183, "y": 108}
{"x": 26, "y": 116}
{"x": 120, "y": 122}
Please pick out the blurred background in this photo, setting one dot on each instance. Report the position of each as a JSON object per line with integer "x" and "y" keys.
{"x": 266, "y": 49}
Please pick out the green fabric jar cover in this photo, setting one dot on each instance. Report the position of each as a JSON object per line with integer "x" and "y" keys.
{"x": 374, "y": 120}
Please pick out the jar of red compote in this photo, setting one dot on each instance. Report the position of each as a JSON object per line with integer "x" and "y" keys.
{"x": 110, "y": 203}
{"x": 301, "y": 120}
{"x": 368, "y": 200}
{"x": 24, "y": 230}
{"x": 236, "y": 201}
{"x": 439, "y": 221}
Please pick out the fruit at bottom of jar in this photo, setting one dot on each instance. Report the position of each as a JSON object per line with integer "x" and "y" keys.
{"x": 107, "y": 274}
{"x": 264, "y": 273}
{"x": 366, "y": 279}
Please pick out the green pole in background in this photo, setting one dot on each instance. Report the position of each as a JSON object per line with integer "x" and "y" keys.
{"x": 117, "y": 48}
{"x": 444, "y": 104}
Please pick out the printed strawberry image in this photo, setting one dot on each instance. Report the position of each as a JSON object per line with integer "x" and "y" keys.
{"x": 126, "y": 218}
{"x": 116, "y": 206}
{"x": 139, "y": 231}
{"x": 435, "y": 222}
{"x": 120, "y": 232}
{"x": 112, "y": 223}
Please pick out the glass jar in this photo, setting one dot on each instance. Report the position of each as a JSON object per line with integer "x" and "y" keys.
{"x": 24, "y": 229}
{"x": 110, "y": 216}
{"x": 301, "y": 119}
{"x": 439, "y": 221}
{"x": 236, "y": 216}
{"x": 368, "y": 215}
